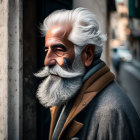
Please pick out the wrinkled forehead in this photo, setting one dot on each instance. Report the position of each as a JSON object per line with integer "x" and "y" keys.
{"x": 58, "y": 31}
{"x": 58, "y": 34}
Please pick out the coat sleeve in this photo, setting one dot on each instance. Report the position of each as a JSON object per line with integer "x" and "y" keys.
{"x": 111, "y": 124}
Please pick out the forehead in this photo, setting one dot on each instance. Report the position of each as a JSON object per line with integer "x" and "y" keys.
{"x": 58, "y": 34}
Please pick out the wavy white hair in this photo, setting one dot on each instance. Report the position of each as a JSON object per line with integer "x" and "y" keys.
{"x": 85, "y": 28}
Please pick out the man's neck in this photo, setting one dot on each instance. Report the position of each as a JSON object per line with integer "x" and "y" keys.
{"x": 96, "y": 65}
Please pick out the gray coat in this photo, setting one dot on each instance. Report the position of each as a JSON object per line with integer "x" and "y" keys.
{"x": 100, "y": 111}
{"x": 109, "y": 116}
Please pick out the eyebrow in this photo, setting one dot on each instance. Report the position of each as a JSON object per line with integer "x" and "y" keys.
{"x": 58, "y": 45}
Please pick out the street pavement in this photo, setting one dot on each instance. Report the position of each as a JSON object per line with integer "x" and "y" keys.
{"x": 129, "y": 80}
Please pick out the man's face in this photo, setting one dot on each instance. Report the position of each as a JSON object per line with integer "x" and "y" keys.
{"x": 59, "y": 50}
{"x": 63, "y": 69}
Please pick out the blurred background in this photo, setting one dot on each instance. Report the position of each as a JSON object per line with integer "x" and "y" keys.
{"x": 22, "y": 54}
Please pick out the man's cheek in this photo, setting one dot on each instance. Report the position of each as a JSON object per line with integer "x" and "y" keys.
{"x": 60, "y": 61}
{"x": 67, "y": 63}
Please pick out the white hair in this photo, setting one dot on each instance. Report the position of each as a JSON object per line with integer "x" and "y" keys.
{"x": 85, "y": 28}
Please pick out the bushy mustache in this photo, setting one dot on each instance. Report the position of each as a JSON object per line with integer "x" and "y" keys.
{"x": 57, "y": 71}
{"x": 58, "y": 86}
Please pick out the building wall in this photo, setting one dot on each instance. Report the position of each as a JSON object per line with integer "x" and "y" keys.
{"x": 134, "y": 24}
{"x": 3, "y": 69}
{"x": 11, "y": 70}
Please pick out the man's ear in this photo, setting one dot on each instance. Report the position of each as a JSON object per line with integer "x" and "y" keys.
{"x": 88, "y": 55}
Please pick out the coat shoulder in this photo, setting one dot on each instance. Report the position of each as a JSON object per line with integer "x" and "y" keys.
{"x": 112, "y": 97}
{"x": 113, "y": 102}
{"x": 110, "y": 114}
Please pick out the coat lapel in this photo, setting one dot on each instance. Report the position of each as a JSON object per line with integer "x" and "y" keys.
{"x": 54, "y": 111}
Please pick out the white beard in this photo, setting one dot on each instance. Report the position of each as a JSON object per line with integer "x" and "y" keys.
{"x": 55, "y": 90}
{"x": 60, "y": 85}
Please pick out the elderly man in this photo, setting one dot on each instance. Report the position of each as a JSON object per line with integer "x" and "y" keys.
{"x": 85, "y": 101}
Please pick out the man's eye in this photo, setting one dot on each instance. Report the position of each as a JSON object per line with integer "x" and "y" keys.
{"x": 59, "y": 49}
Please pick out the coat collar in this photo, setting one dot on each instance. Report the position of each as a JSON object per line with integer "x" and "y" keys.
{"x": 89, "y": 90}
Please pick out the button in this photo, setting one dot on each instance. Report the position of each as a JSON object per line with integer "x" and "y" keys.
{"x": 84, "y": 104}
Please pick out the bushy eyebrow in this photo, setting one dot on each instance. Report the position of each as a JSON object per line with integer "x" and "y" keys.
{"x": 58, "y": 45}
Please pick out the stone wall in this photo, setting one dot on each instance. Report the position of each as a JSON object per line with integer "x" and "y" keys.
{"x": 10, "y": 69}
{"x": 3, "y": 69}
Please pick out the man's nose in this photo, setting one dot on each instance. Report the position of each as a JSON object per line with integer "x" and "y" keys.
{"x": 49, "y": 58}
